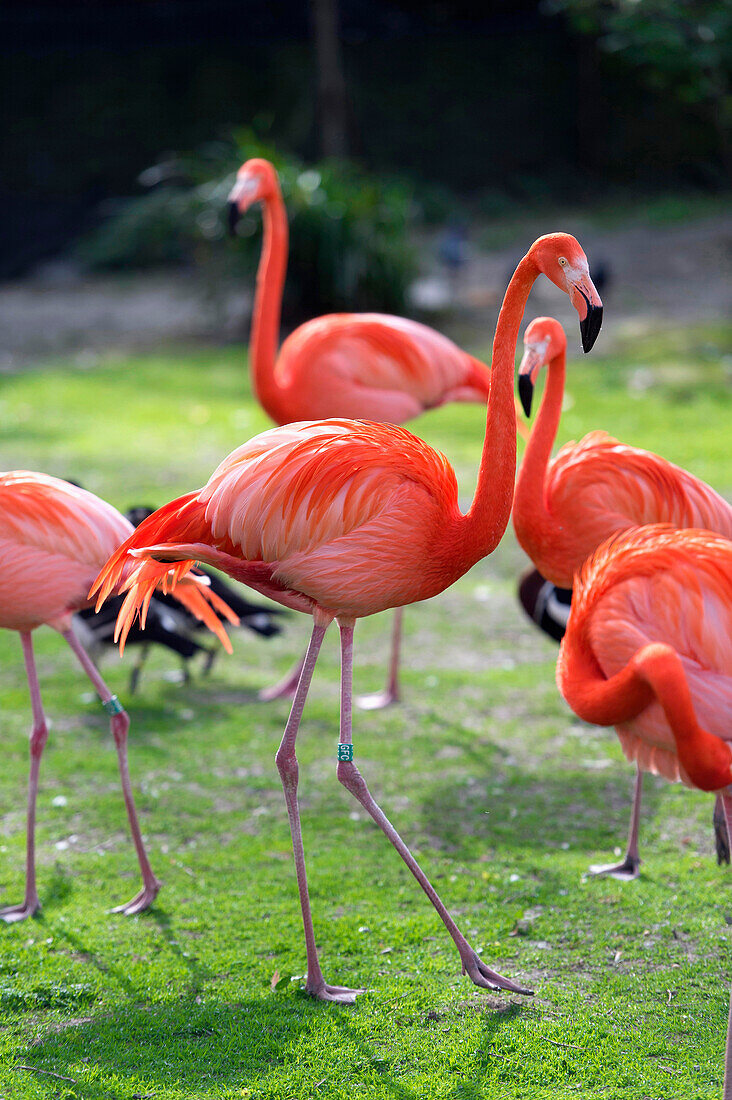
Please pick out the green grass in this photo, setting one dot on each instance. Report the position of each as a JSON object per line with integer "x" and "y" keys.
{"x": 505, "y": 797}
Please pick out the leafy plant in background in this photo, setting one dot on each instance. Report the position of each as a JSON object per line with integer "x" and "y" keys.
{"x": 682, "y": 47}
{"x": 350, "y": 230}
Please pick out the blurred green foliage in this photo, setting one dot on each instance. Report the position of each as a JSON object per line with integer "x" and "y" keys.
{"x": 682, "y": 48}
{"x": 350, "y": 230}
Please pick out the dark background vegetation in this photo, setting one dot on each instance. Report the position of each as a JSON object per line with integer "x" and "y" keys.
{"x": 523, "y": 103}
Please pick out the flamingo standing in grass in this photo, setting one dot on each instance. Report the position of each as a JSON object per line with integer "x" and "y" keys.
{"x": 563, "y": 509}
{"x": 648, "y": 649}
{"x": 345, "y": 518}
{"x": 54, "y": 538}
{"x": 365, "y": 366}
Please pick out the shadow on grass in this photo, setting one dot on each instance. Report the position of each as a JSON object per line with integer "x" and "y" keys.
{"x": 194, "y": 1048}
{"x": 536, "y": 810}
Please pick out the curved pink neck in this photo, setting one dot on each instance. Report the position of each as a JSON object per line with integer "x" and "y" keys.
{"x": 531, "y": 519}
{"x": 481, "y": 529}
{"x": 267, "y": 309}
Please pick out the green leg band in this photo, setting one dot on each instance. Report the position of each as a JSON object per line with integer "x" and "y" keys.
{"x": 345, "y": 752}
{"x": 113, "y": 706}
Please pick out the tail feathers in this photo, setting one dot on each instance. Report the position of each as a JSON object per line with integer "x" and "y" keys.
{"x": 195, "y": 595}
{"x": 180, "y": 520}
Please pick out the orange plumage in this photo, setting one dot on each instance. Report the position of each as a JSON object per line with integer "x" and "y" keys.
{"x": 654, "y": 585}
{"x": 343, "y": 518}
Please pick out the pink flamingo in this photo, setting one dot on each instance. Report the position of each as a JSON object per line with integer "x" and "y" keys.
{"x": 648, "y": 649}
{"x": 345, "y": 518}
{"x": 364, "y": 366}
{"x": 54, "y": 538}
{"x": 563, "y": 509}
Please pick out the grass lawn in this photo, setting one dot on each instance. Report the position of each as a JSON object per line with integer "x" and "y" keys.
{"x": 503, "y": 794}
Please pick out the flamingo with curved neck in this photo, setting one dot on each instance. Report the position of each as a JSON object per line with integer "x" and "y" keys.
{"x": 565, "y": 508}
{"x": 648, "y": 649}
{"x": 345, "y": 518}
{"x": 365, "y": 366}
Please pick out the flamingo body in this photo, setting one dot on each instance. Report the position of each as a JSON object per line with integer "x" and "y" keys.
{"x": 54, "y": 538}
{"x": 649, "y": 587}
{"x": 302, "y": 512}
{"x": 648, "y": 649}
{"x": 599, "y": 486}
{"x": 344, "y": 518}
{"x": 371, "y": 366}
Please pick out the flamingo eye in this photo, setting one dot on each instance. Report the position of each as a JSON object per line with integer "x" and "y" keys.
{"x": 562, "y": 261}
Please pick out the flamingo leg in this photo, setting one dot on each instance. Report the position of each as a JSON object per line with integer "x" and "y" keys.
{"x": 727, "y": 1092}
{"x": 353, "y": 781}
{"x": 721, "y": 837}
{"x": 38, "y": 738}
{"x": 287, "y": 766}
{"x": 286, "y": 687}
{"x": 390, "y": 694}
{"x": 119, "y": 725}
{"x": 628, "y": 869}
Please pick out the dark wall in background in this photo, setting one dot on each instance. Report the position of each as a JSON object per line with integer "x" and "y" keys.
{"x": 92, "y": 94}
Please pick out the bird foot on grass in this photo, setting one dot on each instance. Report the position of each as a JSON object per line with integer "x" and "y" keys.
{"x": 339, "y": 994}
{"x": 378, "y": 700}
{"x": 140, "y": 902}
{"x": 11, "y": 914}
{"x": 625, "y": 871}
{"x": 482, "y": 975}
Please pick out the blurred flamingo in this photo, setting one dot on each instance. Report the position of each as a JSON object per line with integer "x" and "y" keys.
{"x": 648, "y": 649}
{"x": 54, "y": 538}
{"x": 563, "y": 509}
{"x": 364, "y": 366}
{"x": 345, "y": 518}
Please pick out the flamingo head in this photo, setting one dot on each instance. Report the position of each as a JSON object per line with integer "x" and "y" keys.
{"x": 544, "y": 340}
{"x": 561, "y": 258}
{"x": 256, "y": 181}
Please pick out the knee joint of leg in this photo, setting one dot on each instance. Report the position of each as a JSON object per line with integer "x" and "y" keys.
{"x": 287, "y": 766}
{"x": 38, "y": 737}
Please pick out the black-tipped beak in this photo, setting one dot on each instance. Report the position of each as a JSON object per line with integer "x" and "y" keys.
{"x": 590, "y": 327}
{"x": 526, "y": 392}
{"x": 234, "y": 218}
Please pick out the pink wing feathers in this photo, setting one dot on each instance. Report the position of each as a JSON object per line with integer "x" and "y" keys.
{"x": 373, "y": 366}
{"x": 599, "y": 486}
{"x": 311, "y": 513}
{"x": 679, "y": 594}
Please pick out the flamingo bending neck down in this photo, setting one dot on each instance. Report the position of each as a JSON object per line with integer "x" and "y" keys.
{"x": 54, "y": 538}
{"x": 345, "y": 518}
{"x": 565, "y": 508}
{"x": 364, "y": 366}
{"x": 648, "y": 649}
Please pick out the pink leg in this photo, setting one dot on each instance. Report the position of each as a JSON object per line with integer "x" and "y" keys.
{"x": 286, "y": 687}
{"x": 352, "y": 780}
{"x": 287, "y": 766}
{"x": 38, "y": 738}
{"x": 390, "y": 694}
{"x": 119, "y": 723}
{"x": 628, "y": 869}
{"x": 727, "y": 1093}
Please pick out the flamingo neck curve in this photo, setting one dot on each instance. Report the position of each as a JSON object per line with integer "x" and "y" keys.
{"x": 479, "y": 531}
{"x": 534, "y": 524}
{"x": 267, "y": 309}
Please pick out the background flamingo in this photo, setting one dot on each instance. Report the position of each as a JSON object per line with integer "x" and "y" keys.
{"x": 302, "y": 513}
{"x": 54, "y": 538}
{"x": 565, "y": 508}
{"x": 365, "y": 366}
{"x": 648, "y": 649}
